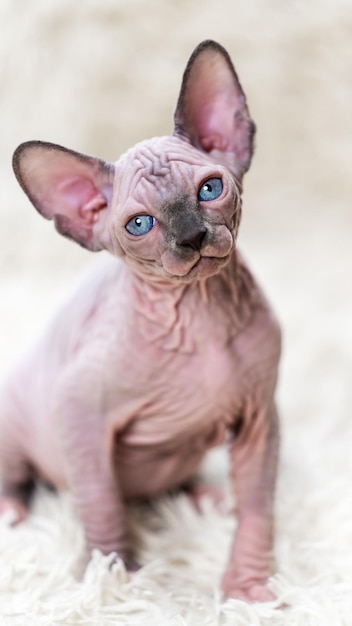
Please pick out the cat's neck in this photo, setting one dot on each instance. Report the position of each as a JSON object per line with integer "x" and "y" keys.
{"x": 168, "y": 310}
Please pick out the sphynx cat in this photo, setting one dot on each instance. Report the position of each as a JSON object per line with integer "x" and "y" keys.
{"x": 170, "y": 347}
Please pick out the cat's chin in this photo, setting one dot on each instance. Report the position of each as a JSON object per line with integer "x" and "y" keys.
{"x": 204, "y": 268}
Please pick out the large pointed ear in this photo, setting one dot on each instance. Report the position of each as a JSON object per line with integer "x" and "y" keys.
{"x": 212, "y": 112}
{"x": 72, "y": 189}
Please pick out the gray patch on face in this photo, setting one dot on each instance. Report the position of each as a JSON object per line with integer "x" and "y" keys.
{"x": 186, "y": 229}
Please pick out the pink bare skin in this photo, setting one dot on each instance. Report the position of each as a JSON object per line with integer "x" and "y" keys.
{"x": 170, "y": 347}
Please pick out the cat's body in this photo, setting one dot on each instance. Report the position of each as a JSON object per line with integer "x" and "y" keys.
{"x": 165, "y": 351}
{"x": 141, "y": 341}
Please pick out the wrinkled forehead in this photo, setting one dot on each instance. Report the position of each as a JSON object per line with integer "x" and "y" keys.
{"x": 163, "y": 166}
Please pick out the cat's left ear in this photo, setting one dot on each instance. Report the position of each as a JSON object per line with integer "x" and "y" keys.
{"x": 68, "y": 187}
{"x": 212, "y": 112}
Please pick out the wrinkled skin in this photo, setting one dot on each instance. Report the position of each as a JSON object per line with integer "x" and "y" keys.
{"x": 169, "y": 348}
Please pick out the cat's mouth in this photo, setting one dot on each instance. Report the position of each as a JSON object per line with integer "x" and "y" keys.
{"x": 207, "y": 266}
{"x": 202, "y": 267}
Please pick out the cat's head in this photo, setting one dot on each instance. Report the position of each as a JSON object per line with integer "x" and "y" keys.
{"x": 170, "y": 205}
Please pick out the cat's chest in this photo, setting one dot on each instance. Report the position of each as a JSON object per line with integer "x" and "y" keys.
{"x": 193, "y": 398}
{"x": 172, "y": 366}
{"x": 185, "y": 405}
{"x": 187, "y": 379}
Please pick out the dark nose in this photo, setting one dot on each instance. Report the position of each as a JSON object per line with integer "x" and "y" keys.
{"x": 193, "y": 239}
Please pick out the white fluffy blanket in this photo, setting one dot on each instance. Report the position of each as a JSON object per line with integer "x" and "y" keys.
{"x": 97, "y": 76}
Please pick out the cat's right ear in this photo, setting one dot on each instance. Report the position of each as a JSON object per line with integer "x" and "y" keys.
{"x": 71, "y": 188}
{"x": 212, "y": 112}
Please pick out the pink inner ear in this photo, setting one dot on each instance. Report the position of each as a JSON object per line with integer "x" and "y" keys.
{"x": 80, "y": 195}
{"x": 209, "y": 121}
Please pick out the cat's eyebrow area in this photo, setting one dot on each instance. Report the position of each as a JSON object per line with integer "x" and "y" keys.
{"x": 154, "y": 178}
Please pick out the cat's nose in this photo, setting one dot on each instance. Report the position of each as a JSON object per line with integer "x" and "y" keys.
{"x": 193, "y": 239}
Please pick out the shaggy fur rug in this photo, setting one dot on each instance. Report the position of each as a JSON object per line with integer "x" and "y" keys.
{"x": 96, "y": 77}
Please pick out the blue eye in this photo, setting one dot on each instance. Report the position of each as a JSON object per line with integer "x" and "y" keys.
{"x": 140, "y": 225}
{"x": 210, "y": 190}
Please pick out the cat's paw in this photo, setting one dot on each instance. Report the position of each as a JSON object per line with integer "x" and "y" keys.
{"x": 255, "y": 591}
{"x": 16, "y": 507}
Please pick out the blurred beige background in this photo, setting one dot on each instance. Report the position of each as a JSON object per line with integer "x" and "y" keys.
{"x": 97, "y": 76}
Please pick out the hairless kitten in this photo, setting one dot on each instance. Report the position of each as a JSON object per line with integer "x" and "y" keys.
{"x": 170, "y": 347}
